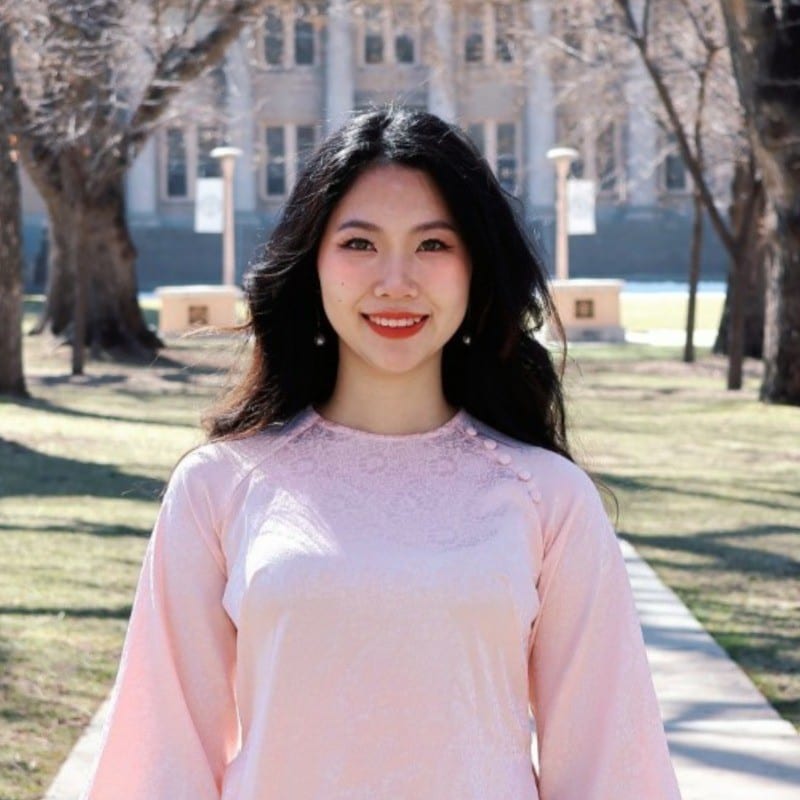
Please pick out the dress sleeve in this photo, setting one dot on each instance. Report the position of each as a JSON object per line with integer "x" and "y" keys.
{"x": 598, "y": 724}
{"x": 173, "y": 725}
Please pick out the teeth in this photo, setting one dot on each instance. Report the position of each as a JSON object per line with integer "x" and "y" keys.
{"x": 395, "y": 323}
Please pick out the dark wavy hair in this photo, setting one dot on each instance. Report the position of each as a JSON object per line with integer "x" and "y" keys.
{"x": 505, "y": 377}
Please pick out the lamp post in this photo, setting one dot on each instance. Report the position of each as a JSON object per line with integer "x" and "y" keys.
{"x": 227, "y": 157}
{"x": 562, "y": 157}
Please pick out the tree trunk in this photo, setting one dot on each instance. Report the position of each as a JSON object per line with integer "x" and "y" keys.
{"x": 753, "y": 296}
{"x": 12, "y": 380}
{"x": 781, "y": 382}
{"x": 106, "y": 258}
{"x": 694, "y": 277}
{"x": 765, "y": 49}
{"x": 748, "y": 206}
{"x": 736, "y": 323}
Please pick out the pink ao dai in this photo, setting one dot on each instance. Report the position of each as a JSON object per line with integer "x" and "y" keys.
{"x": 325, "y": 613}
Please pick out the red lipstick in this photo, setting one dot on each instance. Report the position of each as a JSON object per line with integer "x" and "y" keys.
{"x": 398, "y": 331}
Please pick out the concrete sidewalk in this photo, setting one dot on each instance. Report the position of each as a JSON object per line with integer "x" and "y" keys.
{"x": 726, "y": 741}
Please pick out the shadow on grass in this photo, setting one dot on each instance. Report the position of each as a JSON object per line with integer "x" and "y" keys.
{"x": 631, "y": 484}
{"x": 79, "y": 526}
{"x": 39, "y": 404}
{"x": 91, "y": 381}
{"x": 5, "y": 652}
{"x": 24, "y": 471}
{"x": 120, "y": 612}
{"x": 744, "y": 559}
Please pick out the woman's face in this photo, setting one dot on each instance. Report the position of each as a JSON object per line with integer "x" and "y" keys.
{"x": 394, "y": 272}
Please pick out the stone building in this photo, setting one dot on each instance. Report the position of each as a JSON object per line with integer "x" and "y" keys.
{"x": 298, "y": 73}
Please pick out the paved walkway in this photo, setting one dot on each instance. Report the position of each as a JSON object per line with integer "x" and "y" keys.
{"x": 726, "y": 741}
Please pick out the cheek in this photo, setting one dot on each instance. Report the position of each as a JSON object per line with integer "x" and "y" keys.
{"x": 451, "y": 282}
{"x": 342, "y": 283}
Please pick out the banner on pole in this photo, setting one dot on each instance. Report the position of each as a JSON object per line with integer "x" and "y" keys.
{"x": 580, "y": 205}
{"x": 208, "y": 205}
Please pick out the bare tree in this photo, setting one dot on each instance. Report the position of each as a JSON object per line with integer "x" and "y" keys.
{"x": 93, "y": 80}
{"x": 12, "y": 380}
{"x": 678, "y": 75}
{"x": 764, "y": 38}
{"x": 636, "y": 18}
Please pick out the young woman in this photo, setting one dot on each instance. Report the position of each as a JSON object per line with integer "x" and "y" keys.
{"x": 385, "y": 559}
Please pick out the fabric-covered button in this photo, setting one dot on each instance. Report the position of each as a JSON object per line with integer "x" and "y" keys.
{"x": 471, "y": 431}
{"x": 535, "y": 496}
{"x": 489, "y": 444}
{"x": 524, "y": 475}
{"x": 504, "y": 458}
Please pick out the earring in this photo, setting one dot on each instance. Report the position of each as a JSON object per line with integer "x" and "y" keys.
{"x": 319, "y": 338}
{"x": 467, "y": 339}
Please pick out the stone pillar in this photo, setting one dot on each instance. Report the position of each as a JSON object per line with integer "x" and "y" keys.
{"x": 339, "y": 69}
{"x": 241, "y": 126}
{"x": 642, "y": 138}
{"x": 442, "y": 90}
{"x": 540, "y": 113}
{"x": 142, "y": 183}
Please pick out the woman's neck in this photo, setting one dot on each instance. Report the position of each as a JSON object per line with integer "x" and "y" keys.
{"x": 389, "y": 404}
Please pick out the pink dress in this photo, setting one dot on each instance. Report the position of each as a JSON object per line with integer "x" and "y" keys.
{"x": 325, "y": 613}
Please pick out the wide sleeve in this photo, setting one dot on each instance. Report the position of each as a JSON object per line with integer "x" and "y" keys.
{"x": 173, "y": 725}
{"x": 598, "y": 725}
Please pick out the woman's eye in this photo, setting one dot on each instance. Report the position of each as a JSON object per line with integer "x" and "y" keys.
{"x": 434, "y": 245}
{"x": 357, "y": 243}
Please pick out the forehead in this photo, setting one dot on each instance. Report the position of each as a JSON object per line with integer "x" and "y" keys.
{"x": 391, "y": 190}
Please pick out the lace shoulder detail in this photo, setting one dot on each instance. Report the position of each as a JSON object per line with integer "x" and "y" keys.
{"x": 516, "y": 456}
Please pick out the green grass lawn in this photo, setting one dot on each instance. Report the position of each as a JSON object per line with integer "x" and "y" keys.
{"x": 642, "y": 312}
{"x": 706, "y": 481}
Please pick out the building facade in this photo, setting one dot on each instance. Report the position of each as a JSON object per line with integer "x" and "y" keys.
{"x": 299, "y": 72}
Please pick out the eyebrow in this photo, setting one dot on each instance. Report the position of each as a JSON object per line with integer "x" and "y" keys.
{"x": 424, "y": 226}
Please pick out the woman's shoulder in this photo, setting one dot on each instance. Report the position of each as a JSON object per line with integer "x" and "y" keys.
{"x": 226, "y": 462}
{"x": 550, "y": 472}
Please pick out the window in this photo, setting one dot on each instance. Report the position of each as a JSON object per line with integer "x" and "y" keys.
{"x": 305, "y": 144}
{"x": 674, "y": 170}
{"x": 389, "y": 32}
{"x": 475, "y": 132}
{"x": 290, "y": 36}
{"x": 303, "y": 36}
{"x": 473, "y": 39}
{"x": 176, "y": 164}
{"x": 503, "y": 32}
{"x": 186, "y": 156}
{"x": 287, "y": 149}
{"x": 600, "y": 144}
{"x": 498, "y": 142}
{"x": 507, "y": 156}
{"x": 273, "y": 37}
{"x": 373, "y": 34}
{"x": 403, "y": 33}
{"x": 606, "y": 155}
{"x": 208, "y": 138}
{"x": 488, "y": 30}
{"x": 276, "y": 161}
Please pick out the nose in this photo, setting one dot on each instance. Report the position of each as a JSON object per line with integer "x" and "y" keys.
{"x": 396, "y": 278}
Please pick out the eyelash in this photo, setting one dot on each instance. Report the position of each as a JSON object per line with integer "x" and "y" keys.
{"x": 349, "y": 245}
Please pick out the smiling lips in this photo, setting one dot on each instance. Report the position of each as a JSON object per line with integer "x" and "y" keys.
{"x": 395, "y": 324}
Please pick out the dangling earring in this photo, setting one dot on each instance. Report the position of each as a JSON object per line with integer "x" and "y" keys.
{"x": 467, "y": 339}
{"x": 319, "y": 339}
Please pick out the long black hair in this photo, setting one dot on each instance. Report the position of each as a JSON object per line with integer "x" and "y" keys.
{"x": 505, "y": 377}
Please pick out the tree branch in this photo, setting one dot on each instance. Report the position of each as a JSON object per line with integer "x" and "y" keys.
{"x": 681, "y": 137}
{"x": 177, "y": 66}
